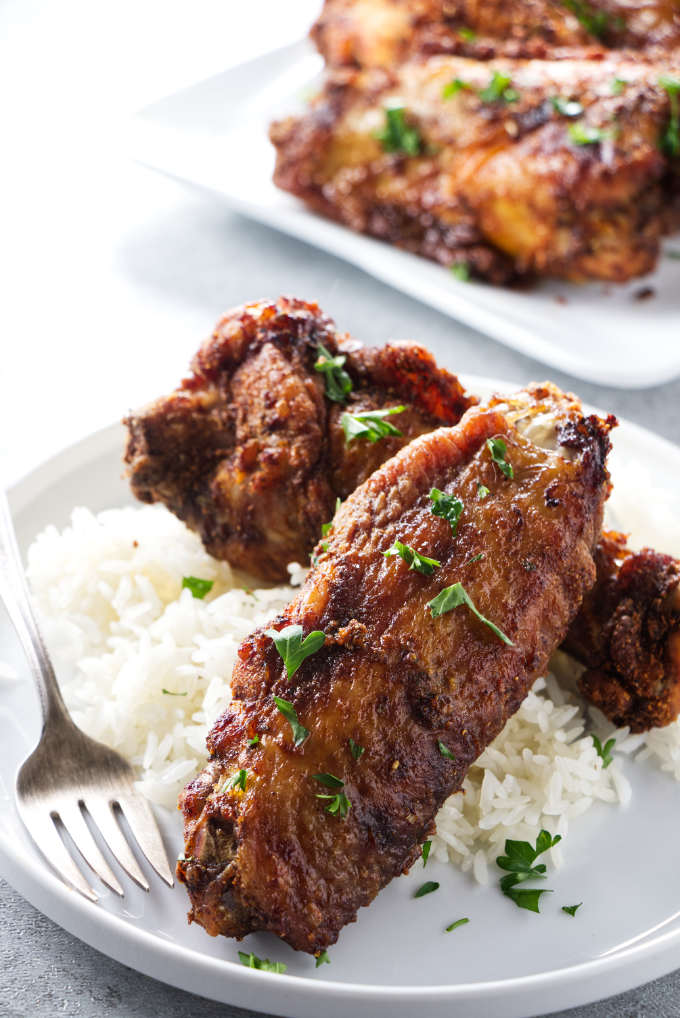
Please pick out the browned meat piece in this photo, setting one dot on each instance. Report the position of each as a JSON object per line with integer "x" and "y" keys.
{"x": 473, "y": 164}
{"x": 628, "y": 636}
{"x": 421, "y": 695}
{"x": 250, "y": 452}
{"x": 382, "y": 33}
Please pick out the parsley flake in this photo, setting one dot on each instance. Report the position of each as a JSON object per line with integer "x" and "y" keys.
{"x": 325, "y": 527}
{"x": 587, "y": 134}
{"x": 398, "y": 135}
{"x": 199, "y": 588}
{"x": 604, "y": 752}
{"x": 594, "y": 21}
{"x": 427, "y": 888}
{"x": 339, "y": 804}
{"x": 618, "y": 85}
{"x": 475, "y": 558}
{"x": 427, "y": 845}
{"x": 461, "y": 270}
{"x": 322, "y": 959}
{"x": 499, "y": 89}
{"x": 566, "y": 107}
{"x": 449, "y": 507}
{"x": 498, "y": 450}
{"x": 238, "y": 780}
{"x": 292, "y": 648}
{"x": 445, "y": 751}
{"x": 519, "y": 860}
{"x": 454, "y": 87}
{"x": 467, "y": 34}
{"x": 370, "y": 425}
{"x": 329, "y": 780}
{"x": 254, "y": 741}
{"x": 454, "y": 926}
{"x": 300, "y": 733}
{"x": 338, "y": 382}
{"x": 571, "y": 909}
{"x": 356, "y": 750}
{"x": 670, "y": 139}
{"x": 251, "y": 961}
{"x": 482, "y": 491}
{"x": 456, "y": 595}
{"x": 413, "y": 558}
{"x": 168, "y": 692}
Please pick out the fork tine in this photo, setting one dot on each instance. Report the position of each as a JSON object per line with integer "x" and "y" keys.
{"x": 139, "y": 815}
{"x": 102, "y": 814}
{"x": 42, "y": 829}
{"x": 74, "y": 822}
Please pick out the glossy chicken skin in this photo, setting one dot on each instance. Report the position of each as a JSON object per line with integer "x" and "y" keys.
{"x": 390, "y": 676}
{"x": 628, "y": 636}
{"x": 500, "y": 185}
{"x": 250, "y": 452}
{"x": 382, "y": 33}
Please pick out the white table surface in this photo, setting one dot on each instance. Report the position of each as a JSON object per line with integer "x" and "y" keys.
{"x": 109, "y": 278}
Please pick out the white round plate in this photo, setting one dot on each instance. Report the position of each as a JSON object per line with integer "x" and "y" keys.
{"x": 396, "y": 960}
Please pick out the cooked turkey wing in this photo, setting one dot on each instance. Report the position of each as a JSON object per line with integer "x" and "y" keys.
{"x": 497, "y": 178}
{"x": 249, "y": 451}
{"x": 396, "y": 680}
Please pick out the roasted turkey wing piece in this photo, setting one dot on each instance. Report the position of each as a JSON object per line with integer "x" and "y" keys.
{"x": 250, "y": 452}
{"x": 496, "y": 177}
{"x": 383, "y": 33}
{"x": 627, "y": 634}
{"x": 421, "y": 695}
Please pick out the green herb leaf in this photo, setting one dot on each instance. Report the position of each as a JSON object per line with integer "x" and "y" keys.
{"x": 338, "y": 382}
{"x": 398, "y": 135}
{"x": 445, "y": 751}
{"x": 413, "y": 558}
{"x": 571, "y": 909}
{"x": 427, "y": 888}
{"x": 594, "y": 21}
{"x": 498, "y": 450}
{"x": 467, "y": 34}
{"x": 251, "y": 961}
{"x": 427, "y": 845}
{"x": 355, "y": 749}
{"x": 475, "y": 558}
{"x": 454, "y": 87}
{"x": 499, "y": 89}
{"x": 199, "y": 588}
{"x": 670, "y": 139}
{"x": 300, "y": 733}
{"x": 566, "y": 107}
{"x": 322, "y": 959}
{"x": 587, "y": 134}
{"x": 461, "y": 270}
{"x": 168, "y": 692}
{"x": 449, "y": 507}
{"x": 329, "y": 780}
{"x": 618, "y": 85}
{"x": 370, "y": 425}
{"x": 525, "y": 897}
{"x": 339, "y": 804}
{"x": 454, "y": 926}
{"x": 325, "y": 527}
{"x": 456, "y": 595}
{"x": 254, "y": 741}
{"x": 482, "y": 491}
{"x": 521, "y": 855}
{"x": 604, "y": 752}
{"x": 292, "y": 648}
{"x": 238, "y": 780}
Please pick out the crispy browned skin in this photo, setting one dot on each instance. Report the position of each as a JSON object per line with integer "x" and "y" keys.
{"x": 628, "y": 636}
{"x": 390, "y": 676}
{"x": 500, "y": 186}
{"x": 382, "y": 33}
{"x": 250, "y": 453}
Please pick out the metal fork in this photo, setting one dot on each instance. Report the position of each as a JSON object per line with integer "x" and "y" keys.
{"x": 68, "y": 772}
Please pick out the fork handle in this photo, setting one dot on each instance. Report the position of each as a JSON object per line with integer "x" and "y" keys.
{"x": 14, "y": 593}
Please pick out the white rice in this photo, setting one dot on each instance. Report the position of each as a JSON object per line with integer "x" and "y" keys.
{"x": 125, "y": 637}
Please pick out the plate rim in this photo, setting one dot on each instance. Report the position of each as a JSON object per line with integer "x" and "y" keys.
{"x": 29, "y": 875}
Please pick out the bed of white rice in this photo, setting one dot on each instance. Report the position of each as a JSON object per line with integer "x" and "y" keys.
{"x": 145, "y": 667}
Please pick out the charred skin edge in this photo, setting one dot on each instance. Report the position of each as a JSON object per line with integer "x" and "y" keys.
{"x": 210, "y": 873}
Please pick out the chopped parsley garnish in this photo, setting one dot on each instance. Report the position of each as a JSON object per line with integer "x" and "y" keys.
{"x": 482, "y": 491}
{"x": 427, "y": 888}
{"x": 355, "y": 749}
{"x": 413, "y": 558}
{"x": 325, "y": 527}
{"x": 238, "y": 780}
{"x": 292, "y": 648}
{"x": 499, "y": 88}
{"x": 604, "y": 752}
{"x": 329, "y": 780}
{"x": 498, "y": 450}
{"x": 338, "y": 382}
{"x": 169, "y": 692}
{"x": 322, "y": 959}
{"x": 571, "y": 909}
{"x": 398, "y": 135}
{"x": 453, "y": 87}
{"x": 456, "y": 595}
{"x": 449, "y": 507}
{"x": 618, "y": 85}
{"x": 475, "y": 558}
{"x": 300, "y": 733}
{"x": 670, "y": 139}
{"x": 467, "y": 34}
{"x": 566, "y": 107}
{"x": 254, "y": 741}
{"x": 587, "y": 134}
{"x": 370, "y": 425}
{"x": 454, "y": 926}
{"x": 594, "y": 21}
{"x": 519, "y": 860}
{"x": 445, "y": 751}
{"x": 427, "y": 845}
{"x": 339, "y": 804}
{"x": 251, "y": 961}
{"x": 199, "y": 588}
{"x": 461, "y": 270}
